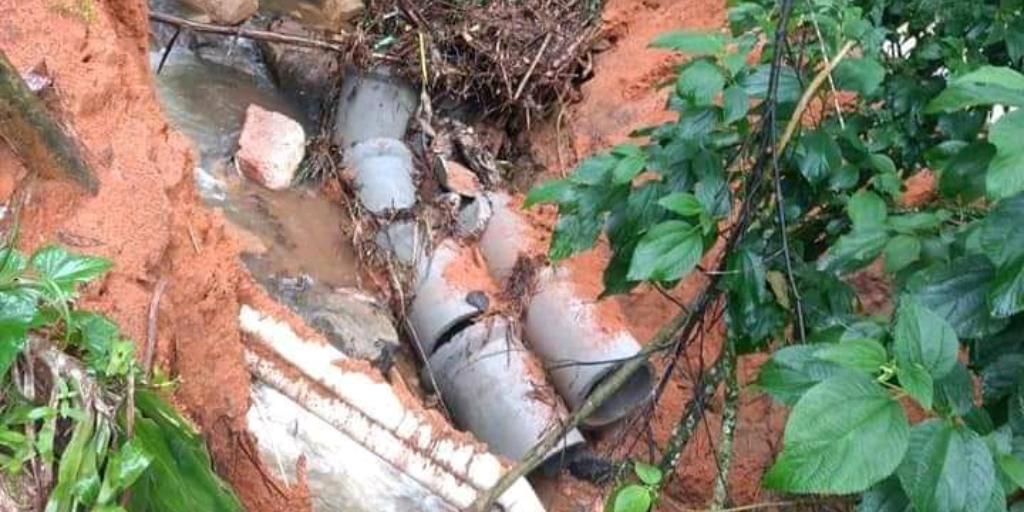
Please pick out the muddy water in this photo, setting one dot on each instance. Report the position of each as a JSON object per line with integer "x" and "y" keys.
{"x": 289, "y": 232}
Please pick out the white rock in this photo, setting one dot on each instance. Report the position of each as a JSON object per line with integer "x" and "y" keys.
{"x": 227, "y": 12}
{"x": 271, "y": 147}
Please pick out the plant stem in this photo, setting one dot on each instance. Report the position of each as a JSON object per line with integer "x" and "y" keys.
{"x": 729, "y": 413}
{"x": 690, "y": 418}
{"x": 809, "y": 93}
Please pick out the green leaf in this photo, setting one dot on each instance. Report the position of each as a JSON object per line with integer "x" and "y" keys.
{"x": 1001, "y": 235}
{"x": 1013, "y": 467}
{"x": 862, "y": 75}
{"x": 1002, "y": 377}
{"x": 867, "y": 210}
{"x": 1006, "y": 170}
{"x": 901, "y": 251}
{"x": 68, "y": 269}
{"x": 18, "y": 306}
{"x": 818, "y": 156}
{"x": 918, "y": 383}
{"x": 632, "y": 498}
{"x": 647, "y": 473}
{"x": 955, "y": 392}
{"x": 628, "y": 168}
{"x": 693, "y": 43}
{"x": 700, "y": 82}
{"x": 910, "y": 223}
{"x": 12, "y": 263}
{"x": 957, "y": 293}
{"x": 923, "y": 338}
{"x": 949, "y": 469}
{"x": 887, "y": 496}
{"x": 985, "y": 86}
{"x": 963, "y": 175}
{"x": 667, "y": 252}
{"x": 792, "y": 371}
{"x": 735, "y": 104}
{"x": 845, "y": 435}
{"x": 683, "y": 203}
{"x": 854, "y": 250}
{"x": 549, "y": 191}
{"x": 756, "y": 84}
{"x": 574, "y": 232}
{"x": 96, "y": 334}
{"x": 1007, "y": 295}
{"x": 861, "y": 354}
{"x": 125, "y": 466}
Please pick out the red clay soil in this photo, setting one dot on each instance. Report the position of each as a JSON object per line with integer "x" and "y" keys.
{"x": 146, "y": 218}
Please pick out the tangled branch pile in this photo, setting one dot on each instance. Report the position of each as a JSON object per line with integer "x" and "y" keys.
{"x": 507, "y": 58}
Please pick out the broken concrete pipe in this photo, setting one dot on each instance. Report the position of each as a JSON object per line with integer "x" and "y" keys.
{"x": 373, "y": 105}
{"x": 497, "y": 389}
{"x": 383, "y": 174}
{"x": 441, "y": 305}
{"x": 578, "y": 349}
{"x": 362, "y": 446}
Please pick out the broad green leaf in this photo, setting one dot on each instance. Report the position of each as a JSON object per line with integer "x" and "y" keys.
{"x": 1001, "y": 235}
{"x": 917, "y": 382}
{"x": 647, "y": 473}
{"x": 667, "y": 252}
{"x": 549, "y": 191}
{"x": 60, "y": 499}
{"x": 700, "y": 82}
{"x": 901, "y": 251}
{"x": 180, "y": 476}
{"x": 887, "y": 496}
{"x": 861, "y": 354}
{"x": 683, "y": 203}
{"x": 735, "y": 104}
{"x": 12, "y": 263}
{"x": 963, "y": 175}
{"x": 792, "y": 371}
{"x": 867, "y": 211}
{"x": 96, "y": 334}
{"x": 957, "y": 293}
{"x": 574, "y": 233}
{"x": 949, "y": 469}
{"x": 693, "y": 43}
{"x": 923, "y": 338}
{"x": 1013, "y": 467}
{"x": 67, "y": 269}
{"x": 845, "y": 435}
{"x": 911, "y": 223}
{"x": 818, "y": 156}
{"x": 862, "y": 75}
{"x": 125, "y": 466}
{"x": 1007, "y": 295}
{"x": 985, "y": 86}
{"x": 18, "y": 306}
{"x": 756, "y": 84}
{"x": 1002, "y": 377}
{"x": 854, "y": 250}
{"x": 632, "y": 498}
{"x": 628, "y": 168}
{"x": 955, "y": 392}
{"x": 1006, "y": 170}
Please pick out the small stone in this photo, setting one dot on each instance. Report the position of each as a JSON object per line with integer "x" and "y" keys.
{"x": 473, "y": 217}
{"x": 271, "y": 148}
{"x": 461, "y": 180}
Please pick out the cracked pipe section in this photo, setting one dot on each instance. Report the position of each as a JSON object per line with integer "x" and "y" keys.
{"x": 362, "y": 447}
{"x": 563, "y": 328}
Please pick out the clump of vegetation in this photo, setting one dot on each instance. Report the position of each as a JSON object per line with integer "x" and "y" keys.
{"x": 80, "y": 429}
{"x": 793, "y": 203}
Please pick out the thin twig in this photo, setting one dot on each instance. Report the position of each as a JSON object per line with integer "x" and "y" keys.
{"x": 831, "y": 80}
{"x": 729, "y": 413}
{"x": 533, "y": 65}
{"x": 154, "y": 312}
{"x": 801, "y": 106}
{"x": 239, "y": 31}
{"x": 168, "y": 50}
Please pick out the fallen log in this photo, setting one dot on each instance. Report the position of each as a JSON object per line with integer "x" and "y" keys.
{"x": 42, "y": 143}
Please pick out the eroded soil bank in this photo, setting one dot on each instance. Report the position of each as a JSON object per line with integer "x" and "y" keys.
{"x": 148, "y": 218}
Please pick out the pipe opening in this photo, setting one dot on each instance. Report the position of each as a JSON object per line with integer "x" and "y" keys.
{"x": 631, "y": 395}
{"x": 459, "y": 325}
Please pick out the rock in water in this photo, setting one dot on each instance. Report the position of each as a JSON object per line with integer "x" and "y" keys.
{"x": 307, "y": 74}
{"x": 227, "y": 12}
{"x": 271, "y": 148}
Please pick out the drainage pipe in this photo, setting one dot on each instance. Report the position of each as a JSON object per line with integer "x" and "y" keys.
{"x": 497, "y": 389}
{"x": 442, "y": 303}
{"x": 364, "y": 447}
{"x": 383, "y": 174}
{"x": 578, "y": 349}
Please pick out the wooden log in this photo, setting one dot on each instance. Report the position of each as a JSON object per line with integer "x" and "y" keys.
{"x": 42, "y": 143}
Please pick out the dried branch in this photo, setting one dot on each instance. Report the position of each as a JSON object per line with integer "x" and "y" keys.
{"x": 239, "y": 31}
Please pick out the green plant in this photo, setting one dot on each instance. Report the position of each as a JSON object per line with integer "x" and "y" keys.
{"x": 776, "y": 205}
{"x": 69, "y": 428}
{"x": 637, "y": 497}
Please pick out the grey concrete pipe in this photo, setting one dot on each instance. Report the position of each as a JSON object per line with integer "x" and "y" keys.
{"x": 563, "y": 328}
{"x": 497, "y": 390}
{"x": 373, "y": 105}
{"x": 442, "y": 303}
{"x": 383, "y": 174}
